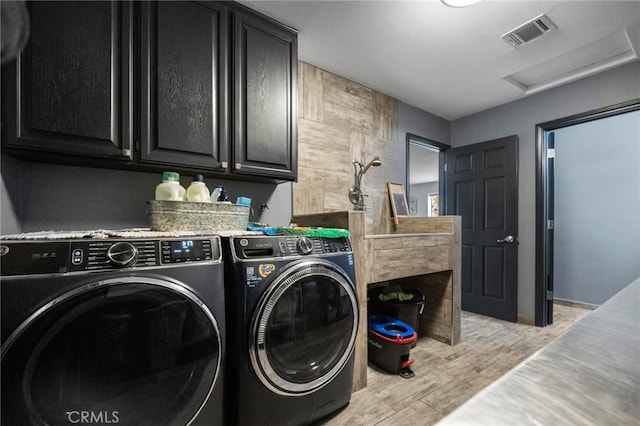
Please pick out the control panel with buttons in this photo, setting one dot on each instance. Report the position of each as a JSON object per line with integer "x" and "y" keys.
{"x": 248, "y": 247}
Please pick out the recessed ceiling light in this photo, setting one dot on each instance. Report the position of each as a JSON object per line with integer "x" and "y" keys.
{"x": 460, "y": 3}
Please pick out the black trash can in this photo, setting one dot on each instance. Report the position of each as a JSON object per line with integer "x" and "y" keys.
{"x": 396, "y": 303}
{"x": 389, "y": 343}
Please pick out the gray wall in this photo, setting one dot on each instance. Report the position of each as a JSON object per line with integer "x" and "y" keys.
{"x": 520, "y": 118}
{"x": 38, "y": 197}
{"x": 597, "y": 208}
{"x": 420, "y": 123}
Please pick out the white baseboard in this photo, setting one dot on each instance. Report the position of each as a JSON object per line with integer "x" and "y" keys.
{"x": 575, "y": 304}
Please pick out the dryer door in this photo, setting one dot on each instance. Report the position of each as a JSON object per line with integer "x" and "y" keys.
{"x": 131, "y": 351}
{"x": 304, "y": 328}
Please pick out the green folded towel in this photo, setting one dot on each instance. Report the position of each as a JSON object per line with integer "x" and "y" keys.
{"x": 302, "y": 231}
{"x": 402, "y": 297}
{"x": 314, "y": 232}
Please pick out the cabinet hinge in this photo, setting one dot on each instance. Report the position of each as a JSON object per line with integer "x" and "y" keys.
{"x": 551, "y": 153}
{"x": 549, "y": 224}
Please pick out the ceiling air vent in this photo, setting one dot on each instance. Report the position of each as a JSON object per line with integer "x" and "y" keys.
{"x": 529, "y": 31}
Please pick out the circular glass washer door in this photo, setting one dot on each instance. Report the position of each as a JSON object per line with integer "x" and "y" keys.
{"x": 130, "y": 351}
{"x": 304, "y": 328}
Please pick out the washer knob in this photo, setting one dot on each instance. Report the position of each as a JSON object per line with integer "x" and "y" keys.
{"x": 304, "y": 245}
{"x": 122, "y": 254}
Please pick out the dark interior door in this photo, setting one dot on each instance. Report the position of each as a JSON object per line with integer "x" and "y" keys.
{"x": 482, "y": 187}
{"x": 550, "y": 233}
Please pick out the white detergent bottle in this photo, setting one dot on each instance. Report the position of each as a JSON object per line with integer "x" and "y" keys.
{"x": 216, "y": 193}
{"x": 170, "y": 188}
{"x": 198, "y": 191}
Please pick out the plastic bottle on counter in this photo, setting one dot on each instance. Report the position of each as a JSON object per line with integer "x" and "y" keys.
{"x": 216, "y": 193}
{"x": 170, "y": 188}
{"x": 223, "y": 198}
{"x": 198, "y": 192}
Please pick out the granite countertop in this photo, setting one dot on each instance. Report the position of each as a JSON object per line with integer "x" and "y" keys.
{"x": 121, "y": 233}
{"x": 588, "y": 376}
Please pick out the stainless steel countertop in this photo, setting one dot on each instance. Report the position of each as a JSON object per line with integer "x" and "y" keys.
{"x": 588, "y": 376}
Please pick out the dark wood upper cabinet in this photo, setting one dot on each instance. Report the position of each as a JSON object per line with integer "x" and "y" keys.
{"x": 194, "y": 86}
{"x": 184, "y": 82}
{"x": 69, "y": 91}
{"x": 265, "y": 82}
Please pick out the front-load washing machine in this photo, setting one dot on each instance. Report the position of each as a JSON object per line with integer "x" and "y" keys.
{"x": 127, "y": 332}
{"x": 292, "y": 317}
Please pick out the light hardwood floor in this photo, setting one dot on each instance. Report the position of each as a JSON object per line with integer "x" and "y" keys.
{"x": 446, "y": 376}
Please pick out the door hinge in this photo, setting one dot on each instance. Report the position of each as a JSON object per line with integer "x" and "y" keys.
{"x": 549, "y": 295}
{"x": 549, "y": 224}
{"x": 445, "y": 167}
{"x": 551, "y": 153}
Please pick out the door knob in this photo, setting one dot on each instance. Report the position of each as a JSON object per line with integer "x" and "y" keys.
{"x": 508, "y": 239}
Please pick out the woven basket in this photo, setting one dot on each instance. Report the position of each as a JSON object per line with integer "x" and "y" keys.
{"x": 188, "y": 216}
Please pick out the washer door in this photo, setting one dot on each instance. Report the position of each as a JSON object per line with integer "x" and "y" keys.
{"x": 131, "y": 351}
{"x": 304, "y": 329}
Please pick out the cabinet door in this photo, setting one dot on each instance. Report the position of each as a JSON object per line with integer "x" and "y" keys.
{"x": 69, "y": 91}
{"x": 265, "y": 75}
{"x": 184, "y": 82}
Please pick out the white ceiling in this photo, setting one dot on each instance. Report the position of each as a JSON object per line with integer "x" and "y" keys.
{"x": 452, "y": 62}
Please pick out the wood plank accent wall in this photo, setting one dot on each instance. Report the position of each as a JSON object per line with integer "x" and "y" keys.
{"x": 339, "y": 121}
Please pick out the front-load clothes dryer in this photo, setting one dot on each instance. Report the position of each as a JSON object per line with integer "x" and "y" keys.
{"x": 292, "y": 317}
{"x": 126, "y": 332}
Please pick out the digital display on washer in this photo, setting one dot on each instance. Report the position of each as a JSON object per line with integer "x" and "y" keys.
{"x": 333, "y": 245}
{"x": 186, "y": 250}
{"x": 178, "y": 251}
{"x": 27, "y": 258}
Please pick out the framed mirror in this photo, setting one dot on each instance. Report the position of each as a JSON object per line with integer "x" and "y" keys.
{"x": 425, "y": 175}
